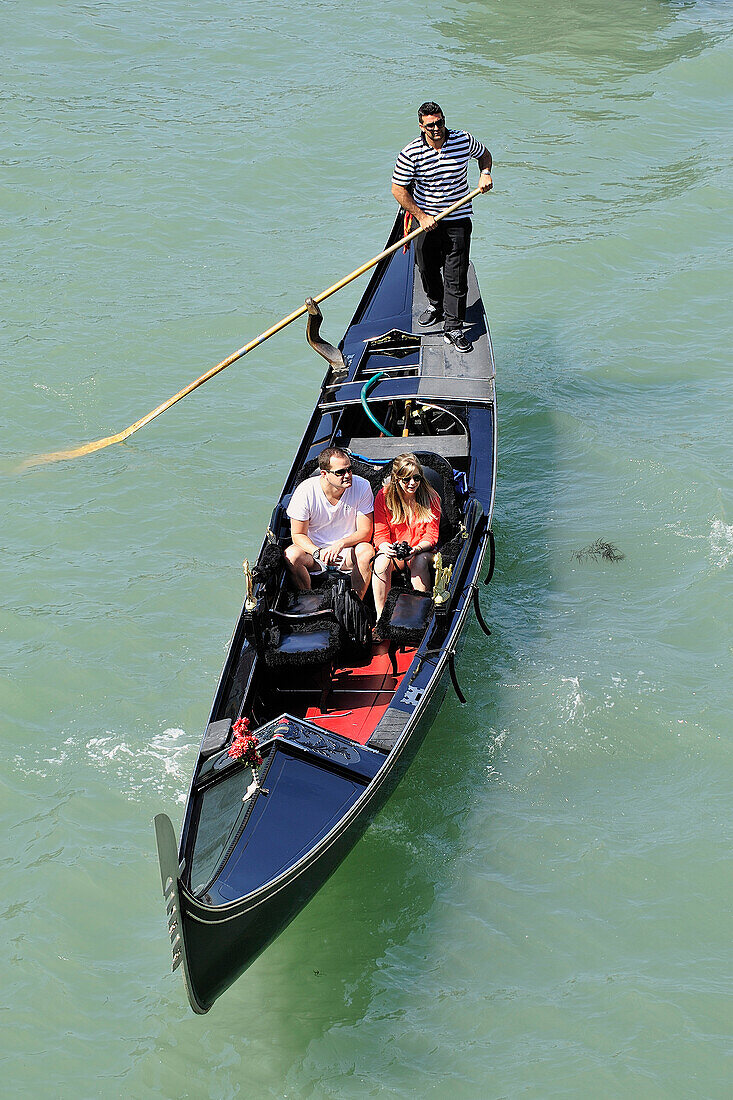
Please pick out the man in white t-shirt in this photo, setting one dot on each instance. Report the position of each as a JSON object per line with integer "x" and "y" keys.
{"x": 331, "y": 520}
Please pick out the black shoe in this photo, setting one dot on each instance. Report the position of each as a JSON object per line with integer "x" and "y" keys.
{"x": 430, "y": 316}
{"x": 455, "y": 337}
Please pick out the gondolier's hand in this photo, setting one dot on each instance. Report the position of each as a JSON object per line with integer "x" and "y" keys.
{"x": 427, "y": 222}
{"x": 485, "y": 181}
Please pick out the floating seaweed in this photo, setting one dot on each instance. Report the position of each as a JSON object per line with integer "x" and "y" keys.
{"x": 600, "y": 550}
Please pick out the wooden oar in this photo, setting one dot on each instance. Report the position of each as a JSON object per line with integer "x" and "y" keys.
{"x": 99, "y": 444}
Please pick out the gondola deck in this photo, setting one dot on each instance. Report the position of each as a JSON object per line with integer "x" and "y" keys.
{"x": 338, "y": 725}
{"x": 356, "y": 698}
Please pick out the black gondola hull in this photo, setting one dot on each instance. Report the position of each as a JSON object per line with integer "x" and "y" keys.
{"x": 218, "y": 929}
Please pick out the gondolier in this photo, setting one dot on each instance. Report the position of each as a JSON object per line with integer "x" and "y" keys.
{"x": 430, "y": 174}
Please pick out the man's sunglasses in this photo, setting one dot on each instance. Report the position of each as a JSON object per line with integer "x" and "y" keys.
{"x": 434, "y": 125}
{"x": 342, "y": 472}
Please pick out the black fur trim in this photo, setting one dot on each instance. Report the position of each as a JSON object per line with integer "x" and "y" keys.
{"x": 268, "y": 563}
{"x": 442, "y": 467}
{"x": 450, "y": 551}
{"x": 373, "y": 474}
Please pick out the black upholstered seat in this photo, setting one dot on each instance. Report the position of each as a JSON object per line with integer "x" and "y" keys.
{"x": 405, "y": 617}
{"x": 306, "y": 603}
{"x": 313, "y": 642}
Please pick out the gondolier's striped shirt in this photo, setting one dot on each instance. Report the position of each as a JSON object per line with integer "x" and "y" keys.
{"x": 438, "y": 177}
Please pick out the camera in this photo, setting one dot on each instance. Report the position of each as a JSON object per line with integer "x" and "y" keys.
{"x": 402, "y": 550}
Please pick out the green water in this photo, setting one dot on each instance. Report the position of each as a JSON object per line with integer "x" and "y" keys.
{"x": 543, "y": 908}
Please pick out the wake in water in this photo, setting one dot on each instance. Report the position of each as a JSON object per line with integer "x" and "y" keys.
{"x": 721, "y": 544}
{"x": 574, "y": 707}
{"x": 161, "y": 766}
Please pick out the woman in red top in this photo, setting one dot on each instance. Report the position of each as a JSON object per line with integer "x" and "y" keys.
{"x": 406, "y": 509}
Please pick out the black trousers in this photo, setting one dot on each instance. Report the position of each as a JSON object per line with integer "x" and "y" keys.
{"x": 442, "y": 259}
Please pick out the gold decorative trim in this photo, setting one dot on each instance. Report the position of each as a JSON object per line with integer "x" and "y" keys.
{"x": 443, "y": 573}
{"x": 250, "y": 602}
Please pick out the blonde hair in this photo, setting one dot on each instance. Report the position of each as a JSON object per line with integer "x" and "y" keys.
{"x": 425, "y": 499}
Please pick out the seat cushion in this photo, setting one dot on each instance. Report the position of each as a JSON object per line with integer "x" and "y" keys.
{"x": 405, "y": 617}
{"x": 312, "y": 643}
{"x": 307, "y": 603}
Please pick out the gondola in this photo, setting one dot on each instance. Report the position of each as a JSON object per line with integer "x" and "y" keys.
{"x": 338, "y": 720}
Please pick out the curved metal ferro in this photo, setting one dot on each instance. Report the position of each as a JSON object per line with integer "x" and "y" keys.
{"x": 170, "y": 872}
{"x": 250, "y": 602}
{"x": 331, "y": 354}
